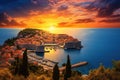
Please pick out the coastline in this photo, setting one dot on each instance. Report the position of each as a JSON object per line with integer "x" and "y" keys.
{"x": 97, "y": 45}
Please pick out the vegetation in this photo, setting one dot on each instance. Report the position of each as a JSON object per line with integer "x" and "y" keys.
{"x": 10, "y": 42}
{"x": 20, "y": 67}
{"x": 27, "y": 32}
{"x": 5, "y": 74}
{"x": 56, "y": 73}
{"x": 17, "y": 67}
{"x": 116, "y": 65}
{"x": 24, "y": 67}
{"x": 100, "y": 73}
{"x": 35, "y": 69}
{"x": 103, "y": 73}
{"x": 67, "y": 73}
{"x": 22, "y": 70}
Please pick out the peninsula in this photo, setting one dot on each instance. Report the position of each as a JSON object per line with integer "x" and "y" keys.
{"x": 39, "y": 37}
{"x": 30, "y": 38}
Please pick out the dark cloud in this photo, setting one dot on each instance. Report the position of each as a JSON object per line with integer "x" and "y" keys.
{"x": 4, "y": 18}
{"x": 4, "y": 2}
{"x": 23, "y": 7}
{"x": 105, "y": 8}
{"x": 40, "y": 3}
{"x": 6, "y": 21}
{"x": 54, "y": 1}
{"x": 114, "y": 16}
{"x": 62, "y": 7}
{"x": 81, "y": 4}
{"x": 116, "y": 20}
{"x": 87, "y": 20}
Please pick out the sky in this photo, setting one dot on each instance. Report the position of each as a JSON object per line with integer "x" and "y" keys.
{"x": 60, "y": 13}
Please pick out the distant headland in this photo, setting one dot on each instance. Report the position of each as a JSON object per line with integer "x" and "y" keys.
{"x": 29, "y": 38}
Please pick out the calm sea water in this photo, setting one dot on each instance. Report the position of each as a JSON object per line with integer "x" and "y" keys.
{"x": 100, "y": 46}
{"x": 7, "y": 33}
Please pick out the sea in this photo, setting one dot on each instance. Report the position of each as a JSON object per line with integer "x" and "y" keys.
{"x": 100, "y": 46}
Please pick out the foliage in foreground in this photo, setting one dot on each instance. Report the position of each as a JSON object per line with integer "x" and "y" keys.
{"x": 37, "y": 73}
{"x": 56, "y": 72}
{"x": 20, "y": 67}
{"x": 67, "y": 73}
{"x": 103, "y": 73}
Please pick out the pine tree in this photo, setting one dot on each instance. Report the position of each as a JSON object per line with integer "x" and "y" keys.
{"x": 68, "y": 69}
{"x": 56, "y": 72}
{"x": 24, "y": 66}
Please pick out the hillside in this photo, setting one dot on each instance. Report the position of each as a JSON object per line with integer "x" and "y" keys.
{"x": 38, "y": 37}
{"x": 9, "y": 51}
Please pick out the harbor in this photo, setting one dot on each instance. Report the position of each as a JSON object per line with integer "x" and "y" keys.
{"x": 49, "y": 64}
{"x": 79, "y": 64}
{"x": 45, "y": 63}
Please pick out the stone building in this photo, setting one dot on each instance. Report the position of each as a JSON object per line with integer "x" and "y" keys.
{"x": 73, "y": 45}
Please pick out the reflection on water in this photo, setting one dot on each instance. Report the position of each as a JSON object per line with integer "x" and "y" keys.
{"x": 99, "y": 46}
{"x": 40, "y": 54}
{"x": 59, "y": 55}
{"x": 55, "y": 55}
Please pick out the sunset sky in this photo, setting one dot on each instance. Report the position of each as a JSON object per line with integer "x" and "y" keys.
{"x": 59, "y": 13}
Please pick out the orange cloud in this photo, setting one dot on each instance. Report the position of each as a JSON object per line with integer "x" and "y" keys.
{"x": 64, "y": 13}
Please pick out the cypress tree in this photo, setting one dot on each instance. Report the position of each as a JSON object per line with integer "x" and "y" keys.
{"x": 24, "y": 67}
{"x": 17, "y": 66}
{"x": 56, "y": 72}
{"x": 20, "y": 69}
{"x": 68, "y": 69}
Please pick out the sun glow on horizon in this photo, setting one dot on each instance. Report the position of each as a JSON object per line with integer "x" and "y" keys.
{"x": 52, "y": 29}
